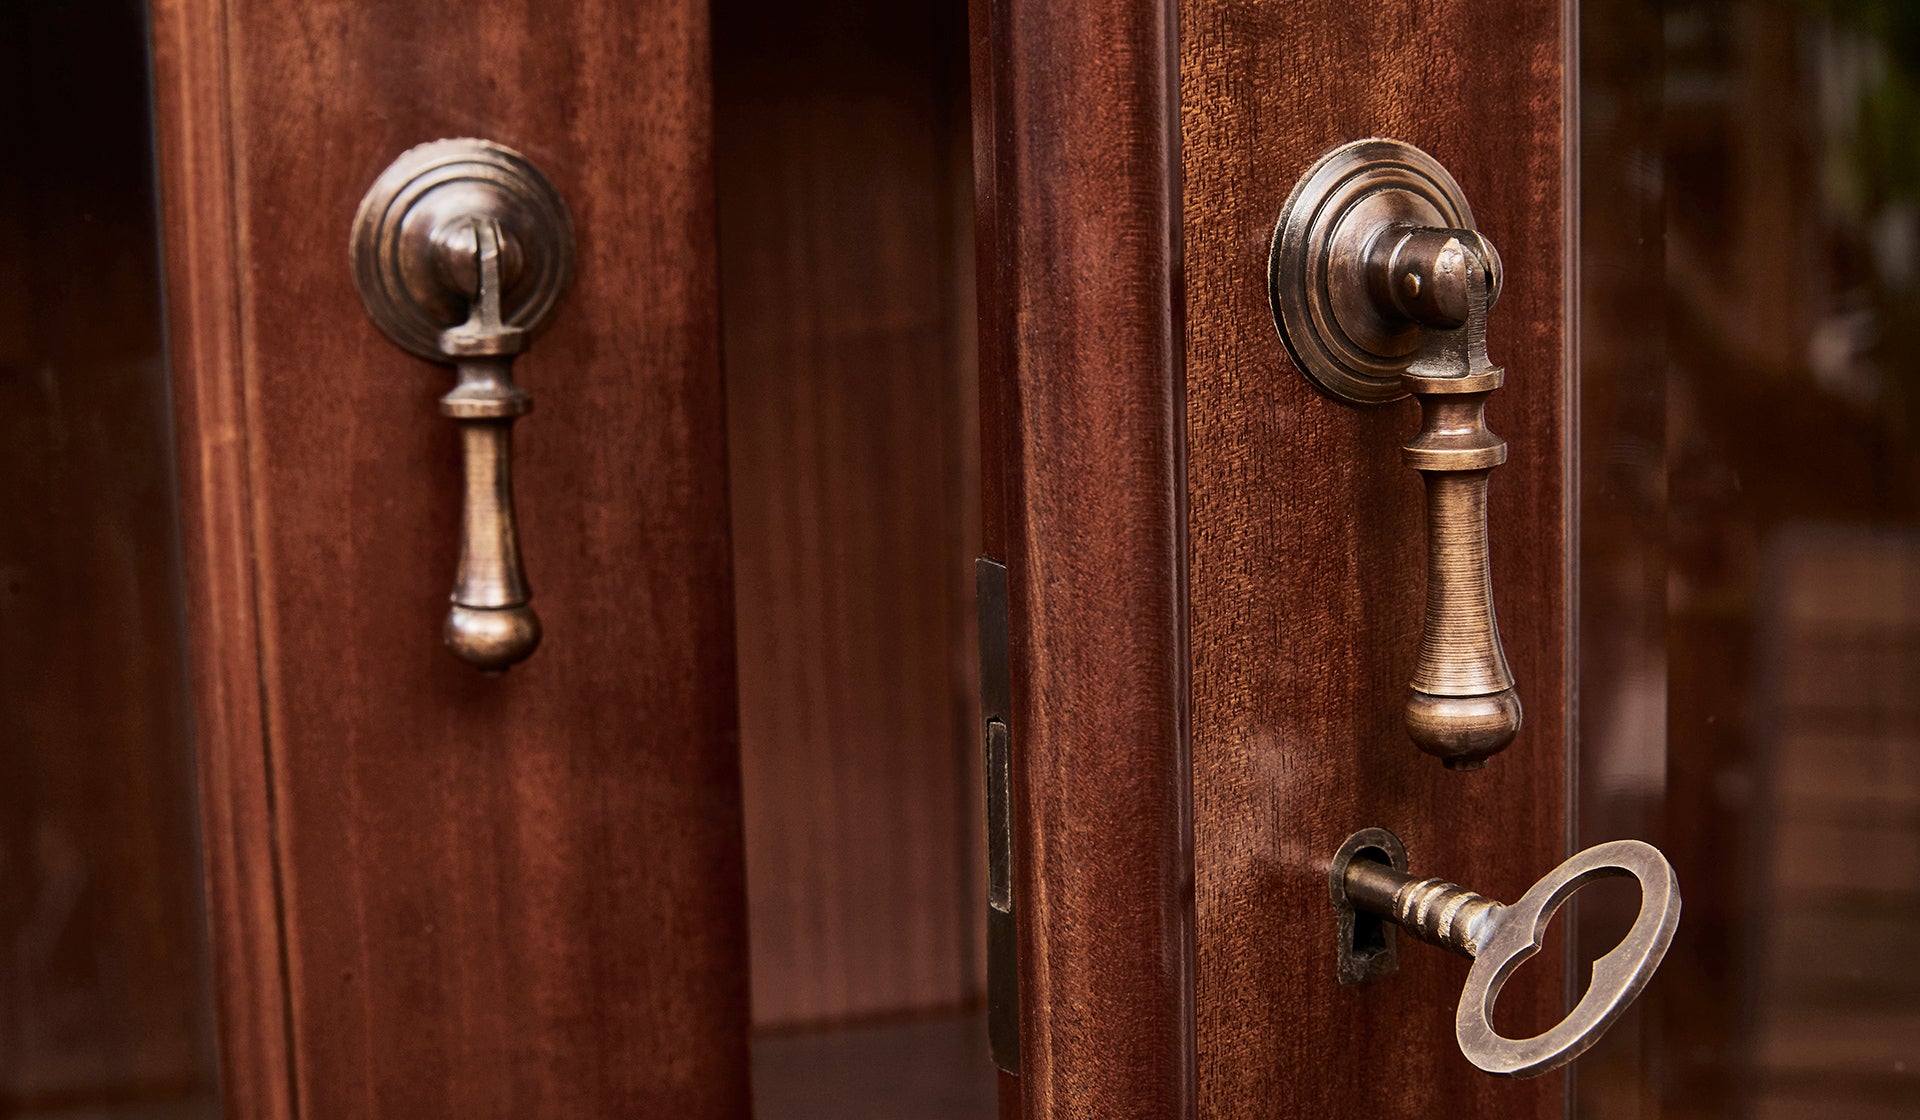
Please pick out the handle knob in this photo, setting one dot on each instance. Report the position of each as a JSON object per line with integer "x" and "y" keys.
{"x": 1369, "y": 876}
{"x": 1380, "y": 288}
{"x": 460, "y": 252}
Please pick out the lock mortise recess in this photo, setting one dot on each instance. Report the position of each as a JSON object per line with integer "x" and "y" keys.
{"x": 996, "y": 738}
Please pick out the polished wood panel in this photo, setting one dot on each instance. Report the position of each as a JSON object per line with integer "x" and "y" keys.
{"x": 1077, "y": 165}
{"x": 1307, "y": 547}
{"x": 437, "y": 893}
{"x": 914, "y": 1069}
{"x": 105, "y": 995}
{"x": 846, "y": 275}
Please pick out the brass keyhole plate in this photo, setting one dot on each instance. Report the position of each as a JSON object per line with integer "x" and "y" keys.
{"x": 1365, "y": 945}
{"x": 1316, "y": 270}
{"x": 413, "y": 235}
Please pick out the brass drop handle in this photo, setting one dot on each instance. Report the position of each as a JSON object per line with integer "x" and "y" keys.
{"x": 460, "y": 252}
{"x": 1461, "y": 705}
{"x": 490, "y": 623}
{"x": 1380, "y": 288}
{"x": 1369, "y": 877}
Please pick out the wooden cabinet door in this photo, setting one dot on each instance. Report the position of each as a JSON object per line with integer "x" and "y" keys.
{"x": 1308, "y": 537}
{"x": 1215, "y": 571}
{"x": 436, "y": 893}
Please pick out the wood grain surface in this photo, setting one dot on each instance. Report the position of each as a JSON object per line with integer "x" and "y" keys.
{"x": 438, "y": 894}
{"x": 1307, "y": 549}
{"x": 915, "y": 1069}
{"x": 846, "y": 275}
{"x": 1077, "y": 164}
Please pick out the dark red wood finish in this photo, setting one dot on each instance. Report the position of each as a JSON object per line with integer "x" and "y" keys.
{"x": 1078, "y": 170}
{"x": 846, "y": 277}
{"x": 434, "y": 893}
{"x": 1307, "y": 549}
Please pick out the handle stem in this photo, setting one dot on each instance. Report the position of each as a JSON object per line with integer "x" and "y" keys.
{"x": 490, "y": 624}
{"x": 1461, "y": 705}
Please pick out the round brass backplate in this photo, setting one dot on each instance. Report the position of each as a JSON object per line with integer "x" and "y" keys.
{"x": 1331, "y": 324}
{"x": 412, "y": 244}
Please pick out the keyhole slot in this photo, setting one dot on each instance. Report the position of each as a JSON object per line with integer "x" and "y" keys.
{"x": 1369, "y": 930}
{"x": 1365, "y": 945}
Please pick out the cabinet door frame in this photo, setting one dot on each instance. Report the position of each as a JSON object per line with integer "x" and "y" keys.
{"x": 1215, "y": 572}
{"x": 434, "y": 893}
{"x": 1083, "y": 450}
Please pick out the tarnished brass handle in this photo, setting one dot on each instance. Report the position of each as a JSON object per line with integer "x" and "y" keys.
{"x": 490, "y": 623}
{"x": 1380, "y": 288}
{"x": 460, "y": 252}
{"x": 1369, "y": 876}
{"x": 1461, "y": 705}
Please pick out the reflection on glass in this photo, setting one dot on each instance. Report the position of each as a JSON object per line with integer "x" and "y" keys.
{"x": 1750, "y": 558}
{"x": 105, "y": 996}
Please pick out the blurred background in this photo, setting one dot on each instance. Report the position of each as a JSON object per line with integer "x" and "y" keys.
{"x": 105, "y": 991}
{"x": 1749, "y": 692}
